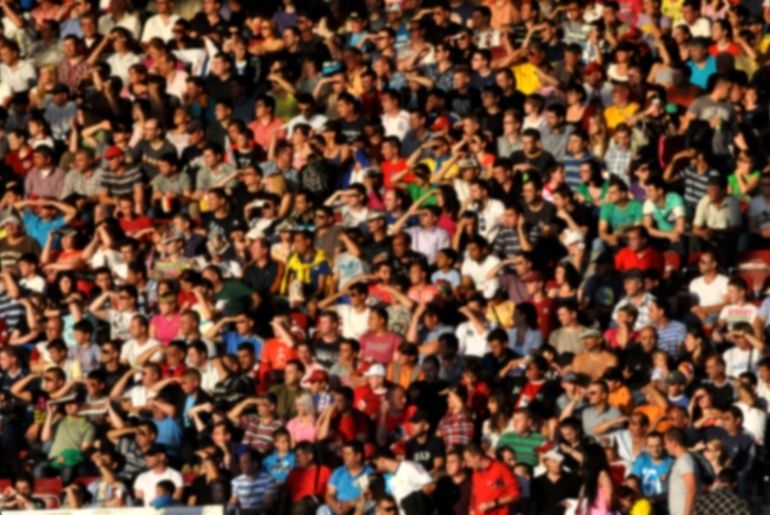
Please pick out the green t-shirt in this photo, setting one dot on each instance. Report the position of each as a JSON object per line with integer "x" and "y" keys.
{"x": 523, "y": 446}
{"x": 585, "y": 193}
{"x": 618, "y": 219}
{"x": 666, "y": 217}
{"x": 415, "y": 191}
{"x": 235, "y": 297}
{"x": 735, "y": 190}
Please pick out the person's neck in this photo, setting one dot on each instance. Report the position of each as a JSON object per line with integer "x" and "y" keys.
{"x": 159, "y": 469}
{"x": 553, "y": 476}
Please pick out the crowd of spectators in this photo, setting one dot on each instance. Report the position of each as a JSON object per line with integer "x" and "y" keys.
{"x": 385, "y": 256}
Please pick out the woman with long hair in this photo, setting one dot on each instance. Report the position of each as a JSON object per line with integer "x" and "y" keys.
{"x": 526, "y": 334}
{"x": 754, "y": 416}
{"x": 696, "y": 349}
{"x": 702, "y": 411}
{"x": 566, "y": 282}
{"x": 303, "y": 426}
{"x": 499, "y": 419}
{"x": 446, "y": 200}
{"x": 715, "y": 454}
{"x": 597, "y": 134}
{"x": 596, "y": 491}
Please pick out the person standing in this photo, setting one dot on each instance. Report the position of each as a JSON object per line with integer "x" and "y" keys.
{"x": 683, "y": 484}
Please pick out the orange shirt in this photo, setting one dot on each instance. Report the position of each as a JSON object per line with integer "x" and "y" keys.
{"x": 621, "y": 399}
{"x": 654, "y": 413}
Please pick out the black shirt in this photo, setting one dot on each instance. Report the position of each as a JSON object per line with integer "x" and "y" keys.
{"x": 548, "y": 495}
{"x": 452, "y": 498}
{"x": 260, "y": 279}
{"x": 424, "y": 453}
{"x": 327, "y": 353}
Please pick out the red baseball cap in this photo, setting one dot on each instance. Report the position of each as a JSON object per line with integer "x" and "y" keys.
{"x": 113, "y": 152}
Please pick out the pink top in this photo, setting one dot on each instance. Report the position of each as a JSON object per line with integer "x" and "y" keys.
{"x": 300, "y": 431}
{"x": 166, "y": 329}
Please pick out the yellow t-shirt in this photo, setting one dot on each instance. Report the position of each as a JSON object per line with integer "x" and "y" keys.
{"x": 641, "y": 507}
{"x": 672, "y": 9}
{"x": 614, "y": 115}
{"x": 527, "y": 80}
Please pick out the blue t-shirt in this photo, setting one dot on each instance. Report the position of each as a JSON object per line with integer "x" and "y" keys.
{"x": 345, "y": 484}
{"x": 279, "y": 466}
{"x": 233, "y": 340}
{"x": 654, "y": 476}
{"x": 700, "y": 76}
{"x": 169, "y": 434}
{"x": 39, "y": 229}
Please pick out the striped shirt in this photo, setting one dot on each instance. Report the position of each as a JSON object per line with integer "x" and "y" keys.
{"x": 252, "y": 492}
{"x": 258, "y": 434}
{"x": 523, "y": 446}
{"x": 671, "y": 336}
{"x": 119, "y": 185}
{"x": 11, "y": 311}
{"x": 695, "y": 185}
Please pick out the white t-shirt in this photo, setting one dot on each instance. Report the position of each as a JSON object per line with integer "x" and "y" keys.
{"x": 132, "y": 349}
{"x": 139, "y": 395}
{"x": 709, "y": 294}
{"x": 489, "y": 219}
{"x": 738, "y": 361}
{"x": 354, "y": 324}
{"x": 396, "y": 125}
{"x": 146, "y": 482}
{"x": 120, "y": 321}
{"x": 732, "y": 314}
{"x": 409, "y": 477}
{"x": 471, "y": 342}
{"x": 478, "y": 273}
{"x": 155, "y": 27}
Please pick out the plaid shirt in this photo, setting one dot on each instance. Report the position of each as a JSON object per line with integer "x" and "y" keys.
{"x": 643, "y": 319}
{"x": 619, "y": 161}
{"x": 456, "y": 429}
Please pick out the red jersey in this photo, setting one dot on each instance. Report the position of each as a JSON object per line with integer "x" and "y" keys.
{"x": 544, "y": 309}
{"x": 491, "y": 484}
{"x": 303, "y": 482}
{"x": 647, "y": 259}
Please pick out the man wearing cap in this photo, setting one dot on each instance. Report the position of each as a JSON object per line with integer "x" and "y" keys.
{"x": 593, "y": 360}
{"x": 145, "y": 483}
{"x": 16, "y": 243}
{"x": 45, "y": 179}
{"x": 369, "y": 397}
{"x": 424, "y": 447}
{"x": 119, "y": 181}
{"x": 551, "y": 489}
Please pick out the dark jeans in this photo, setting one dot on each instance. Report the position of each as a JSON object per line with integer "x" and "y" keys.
{"x": 45, "y": 470}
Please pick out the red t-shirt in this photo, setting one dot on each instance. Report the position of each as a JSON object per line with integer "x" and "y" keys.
{"x": 367, "y": 401}
{"x": 390, "y": 168}
{"x": 303, "y": 482}
{"x": 135, "y": 224}
{"x": 491, "y": 484}
{"x": 275, "y": 355}
{"x": 379, "y": 348}
{"x": 348, "y": 425}
{"x": 544, "y": 309}
{"x": 648, "y": 259}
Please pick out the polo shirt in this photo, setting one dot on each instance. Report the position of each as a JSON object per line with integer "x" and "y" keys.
{"x": 345, "y": 485}
{"x": 279, "y": 466}
{"x": 619, "y": 219}
{"x": 523, "y": 446}
{"x": 648, "y": 259}
{"x": 428, "y": 241}
{"x": 666, "y": 216}
{"x": 492, "y": 483}
{"x": 723, "y": 216}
